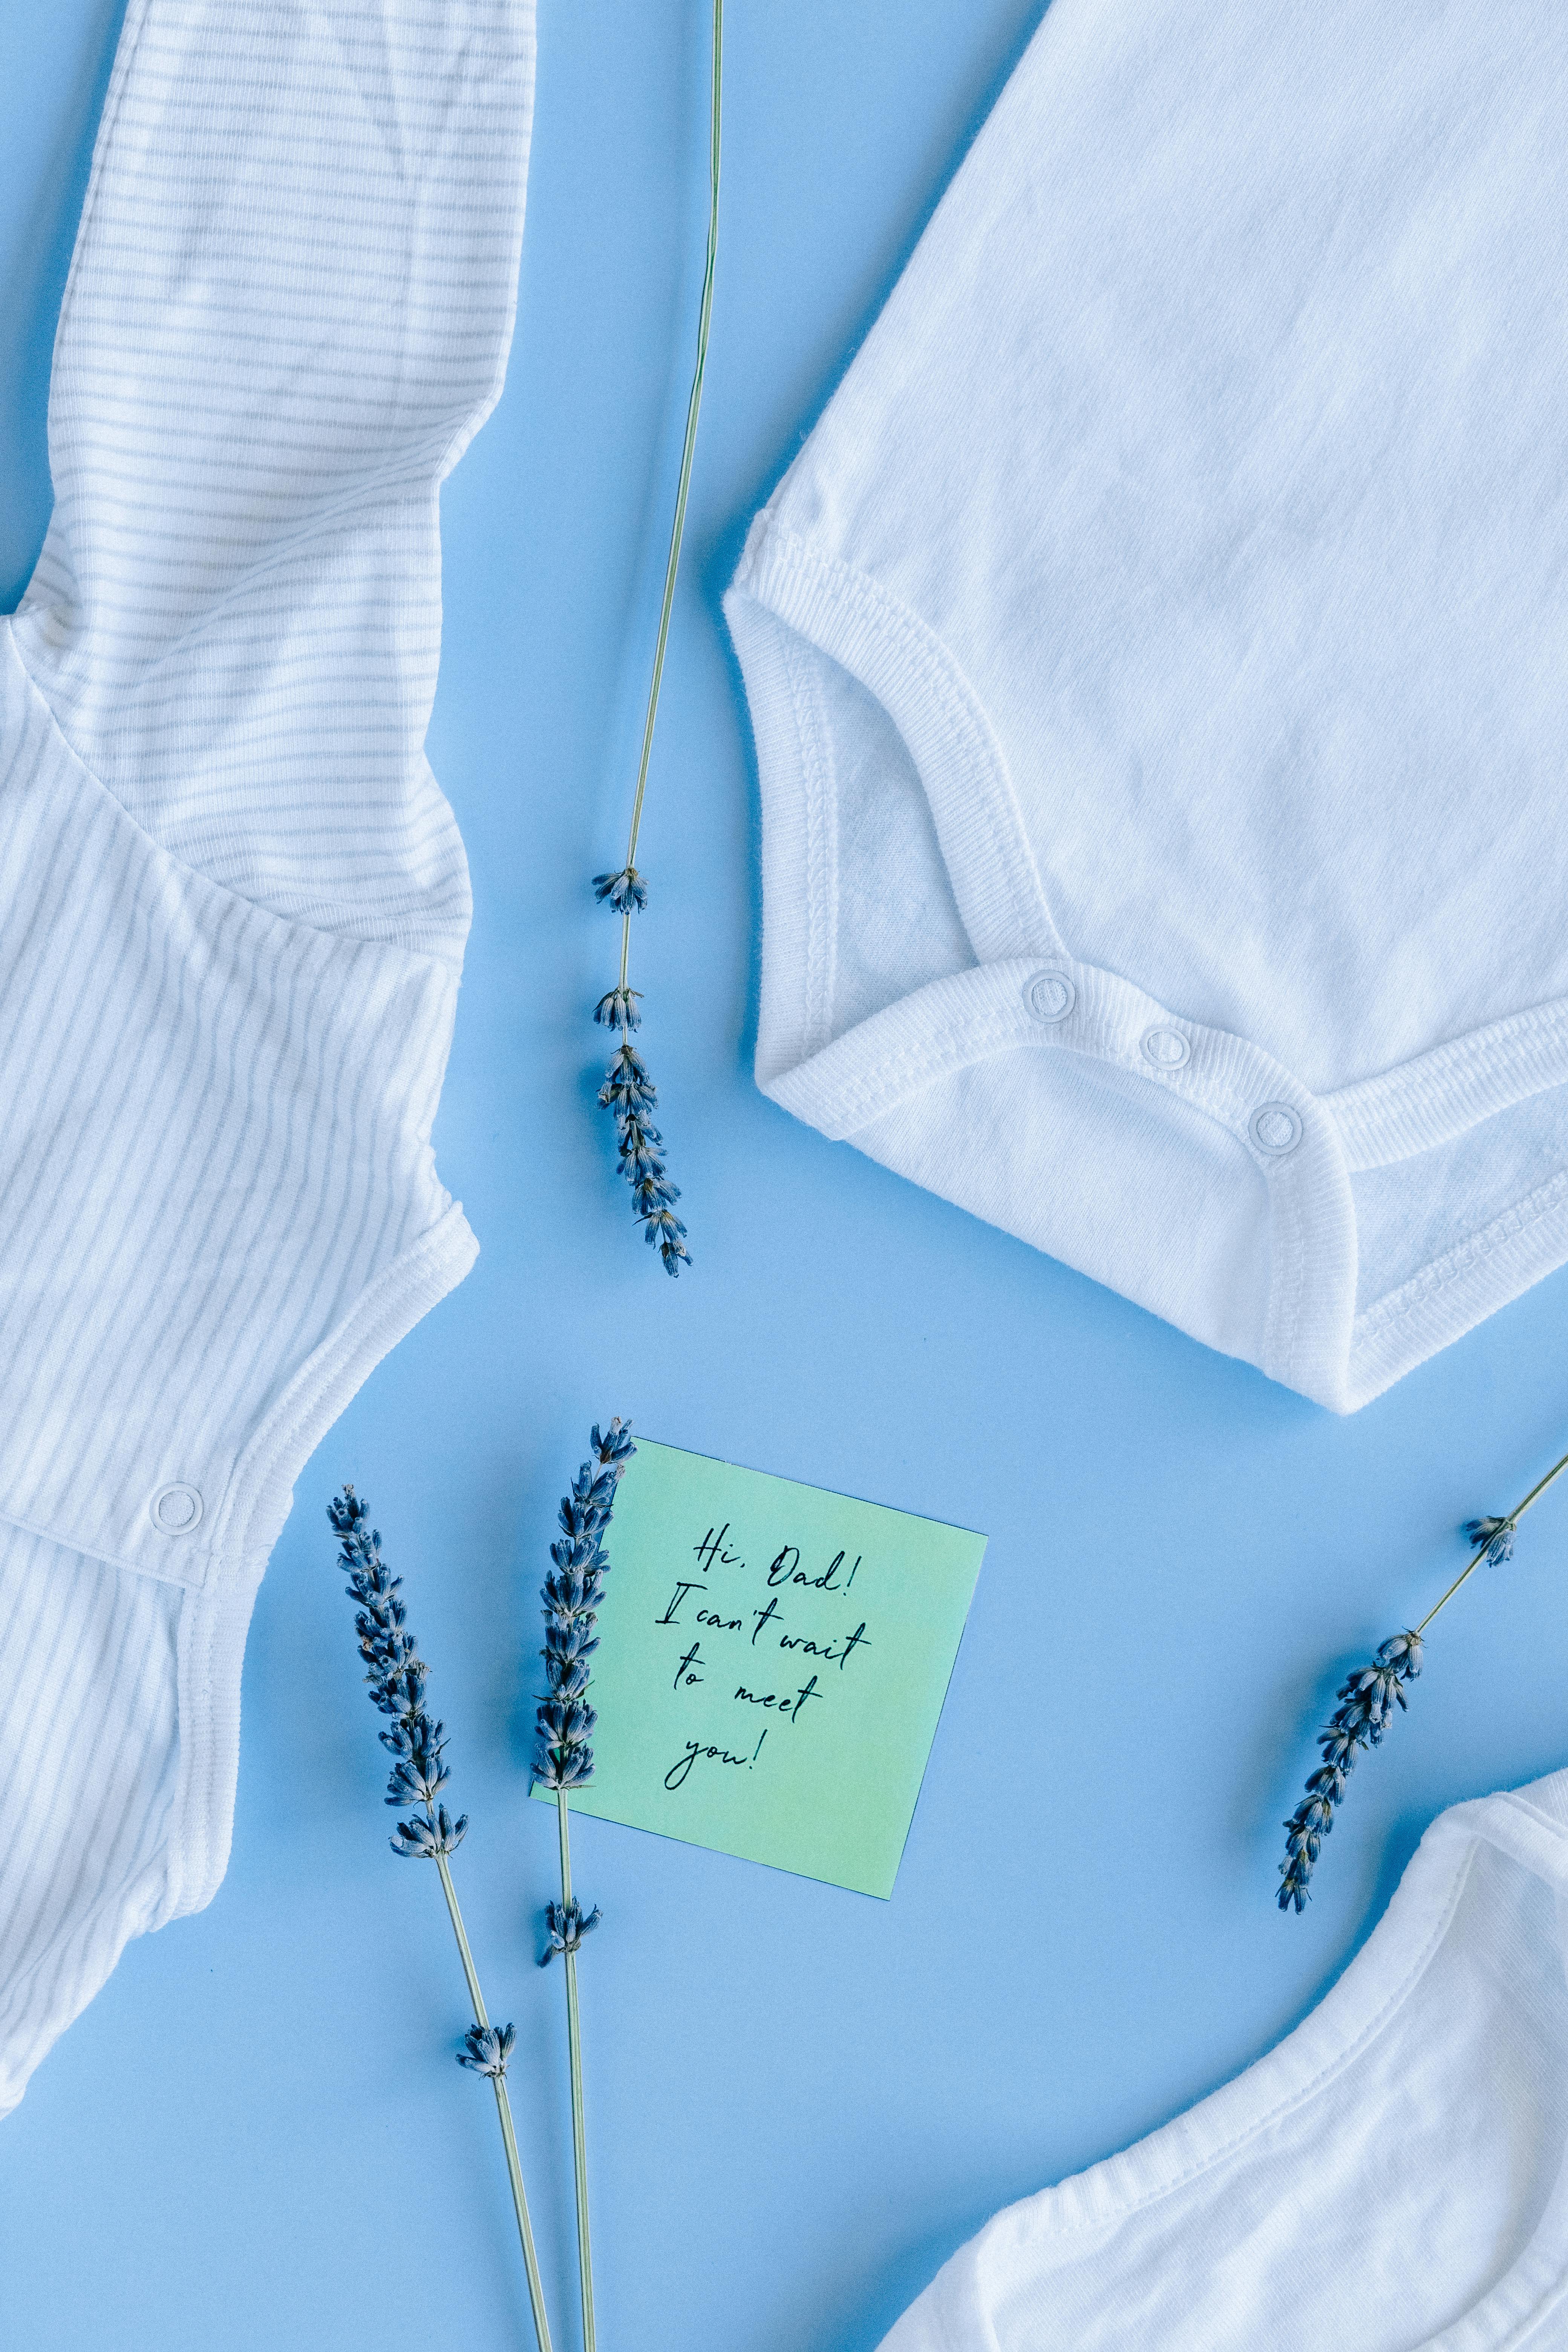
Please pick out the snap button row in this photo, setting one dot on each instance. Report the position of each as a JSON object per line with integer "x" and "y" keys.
{"x": 1166, "y": 1049}
{"x": 1051, "y": 996}
{"x": 175, "y": 1510}
{"x": 1275, "y": 1129}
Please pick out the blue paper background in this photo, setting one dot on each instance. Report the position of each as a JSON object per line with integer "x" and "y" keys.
{"x": 800, "y": 2101}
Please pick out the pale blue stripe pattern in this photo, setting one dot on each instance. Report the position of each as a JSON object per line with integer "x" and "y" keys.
{"x": 233, "y": 899}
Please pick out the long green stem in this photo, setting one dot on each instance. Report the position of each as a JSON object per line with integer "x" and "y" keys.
{"x": 693, "y": 409}
{"x": 503, "y": 2109}
{"x": 1511, "y": 1520}
{"x": 575, "y": 2052}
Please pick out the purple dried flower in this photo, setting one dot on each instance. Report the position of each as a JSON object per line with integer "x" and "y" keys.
{"x": 487, "y": 2048}
{"x": 624, "y": 891}
{"x": 397, "y": 1677}
{"x": 1371, "y": 1695}
{"x": 630, "y": 1094}
{"x": 566, "y": 1928}
{"x": 618, "y": 1009}
{"x": 627, "y": 1089}
{"x": 661, "y": 1224}
{"x": 1494, "y": 1535}
{"x": 571, "y": 1596}
{"x": 1368, "y": 1697}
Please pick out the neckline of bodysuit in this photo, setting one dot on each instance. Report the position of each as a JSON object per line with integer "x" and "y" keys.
{"x": 1533, "y": 1829}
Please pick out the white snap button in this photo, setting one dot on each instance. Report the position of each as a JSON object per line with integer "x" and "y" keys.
{"x": 1275, "y": 1129}
{"x": 175, "y": 1510}
{"x": 1051, "y": 996}
{"x": 1166, "y": 1049}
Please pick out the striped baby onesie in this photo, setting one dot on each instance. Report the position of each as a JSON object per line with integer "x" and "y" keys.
{"x": 233, "y": 900}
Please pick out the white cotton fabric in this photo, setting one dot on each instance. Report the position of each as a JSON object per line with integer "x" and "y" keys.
{"x": 233, "y": 900}
{"x": 1392, "y": 2177}
{"x": 1158, "y": 659}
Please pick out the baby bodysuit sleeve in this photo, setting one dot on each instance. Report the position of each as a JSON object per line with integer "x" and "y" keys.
{"x": 234, "y": 901}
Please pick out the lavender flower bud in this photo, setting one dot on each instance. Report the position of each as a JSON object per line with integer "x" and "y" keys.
{"x": 627, "y": 1088}
{"x": 566, "y": 1928}
{"x": 617, "y": 1009}
{"x": 556, "y": 1768}
{"x": 487, "y": 2048}
{"x": 623, "y": 890}
{"x": 424, "y": 1838}
{"x": 661, "y": 1224}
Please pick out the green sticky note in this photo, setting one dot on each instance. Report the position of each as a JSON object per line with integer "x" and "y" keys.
{"x": 772, "y": 1664}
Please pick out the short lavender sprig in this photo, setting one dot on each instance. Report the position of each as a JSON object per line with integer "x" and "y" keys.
{"x": 631, "y": 1094}
{"x": 397, "y": 1677}
{"x": 1369, "y": 1698}
{"x": 562, "y": 1757}
{"x": 571, "y": 1595}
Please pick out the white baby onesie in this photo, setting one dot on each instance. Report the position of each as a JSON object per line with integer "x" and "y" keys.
{"x": 1394, "y": 2176}
{"x": 1158, "y": 659}
{"x": 233, "y": 900}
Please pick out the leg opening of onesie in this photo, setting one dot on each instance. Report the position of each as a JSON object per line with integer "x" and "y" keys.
{"x": 858, "y": 909}
{"x": 1412, "y": 1214}
{"x": 1450, "y": 1234}
{"x": 882, "y": 1026}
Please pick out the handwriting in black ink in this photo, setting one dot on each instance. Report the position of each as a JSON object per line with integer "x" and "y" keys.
{"x": 786, "y": 1703}
{"x": 679, "y": 1772}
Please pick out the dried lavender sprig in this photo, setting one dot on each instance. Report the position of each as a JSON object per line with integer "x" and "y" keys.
{"x": 653, "y": 1194}
{"x": 631, "y": 1094}
{"x": 1369, "y": 1698}
{"x": 563, "y": 1760}
{"x": 397, "y": 1677}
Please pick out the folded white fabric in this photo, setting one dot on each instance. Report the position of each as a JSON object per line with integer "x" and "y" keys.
{"x": 233, "y": 901}
{"x": 1156, "y": 657}
{"x": 1391, "y": 2177}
